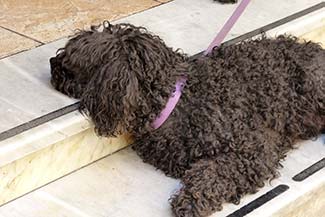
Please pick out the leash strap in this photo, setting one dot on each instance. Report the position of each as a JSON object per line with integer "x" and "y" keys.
{"x": 172, "y": 101}
{"x": 228, "y": 26}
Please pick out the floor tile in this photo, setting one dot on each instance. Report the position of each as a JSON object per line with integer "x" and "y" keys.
{"x": 11, "y": 43}
{"x": 11, "y": 116}
{"x": 46, "y": 206}
{"x": 49, "y": 20}
{"x": 192, "y": 25}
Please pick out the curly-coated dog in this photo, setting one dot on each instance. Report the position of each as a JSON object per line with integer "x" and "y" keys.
{"x": 242, "y": 107}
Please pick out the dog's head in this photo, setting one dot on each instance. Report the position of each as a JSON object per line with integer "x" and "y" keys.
{"x": 125, "y": 76}
{"x": 76, "y": 63}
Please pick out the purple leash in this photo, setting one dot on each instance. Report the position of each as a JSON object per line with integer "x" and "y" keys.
{"x": 228, "y": 26}
{"x": 172, "y": 101}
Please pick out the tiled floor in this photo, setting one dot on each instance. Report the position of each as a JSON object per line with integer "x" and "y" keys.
{"x": 46, "y": 20}
{"x": 9, "y": 45}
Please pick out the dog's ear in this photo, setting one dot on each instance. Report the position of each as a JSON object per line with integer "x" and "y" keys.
{"x": 111, "y": 98}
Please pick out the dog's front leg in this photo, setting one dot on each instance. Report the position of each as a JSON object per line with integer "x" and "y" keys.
{"x": 211, "y": 182}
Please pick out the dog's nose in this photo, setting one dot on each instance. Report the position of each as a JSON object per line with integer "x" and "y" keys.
{"x": 53, "y": 60}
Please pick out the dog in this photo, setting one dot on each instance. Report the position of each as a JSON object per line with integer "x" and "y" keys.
{"x": 241, "y": 109}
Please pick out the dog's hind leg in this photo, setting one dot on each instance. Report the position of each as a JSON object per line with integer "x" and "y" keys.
{"x": 211, "y": 182}
{"x": 203, "y": 191}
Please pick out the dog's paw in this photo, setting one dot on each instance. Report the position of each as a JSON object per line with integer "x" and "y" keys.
{"x": 187, "y": 211}
{"x": 193, "y": 204}
{"x": 183, "y": 207}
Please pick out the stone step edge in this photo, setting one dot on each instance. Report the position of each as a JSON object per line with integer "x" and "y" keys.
{"x": 45, "y": 153}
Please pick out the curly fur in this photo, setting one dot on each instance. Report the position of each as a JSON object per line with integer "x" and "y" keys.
{"x": 243, "y": 107}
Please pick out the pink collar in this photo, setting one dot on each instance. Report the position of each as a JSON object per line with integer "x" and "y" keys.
{"x": 172, "y": 101}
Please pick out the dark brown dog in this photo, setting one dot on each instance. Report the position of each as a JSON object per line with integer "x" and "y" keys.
{"x": 242, "y": 108}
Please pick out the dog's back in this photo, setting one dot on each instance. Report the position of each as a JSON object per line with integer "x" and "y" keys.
{"x": 276, "y": 83}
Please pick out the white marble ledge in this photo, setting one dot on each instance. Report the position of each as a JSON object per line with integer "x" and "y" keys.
{"x": 42, "y": 136}
{"x": 47, "y": 152}
{"x": 122, "y": 185}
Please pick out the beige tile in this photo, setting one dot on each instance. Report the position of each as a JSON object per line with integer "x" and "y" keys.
{"x": 48, "y": 20}
{"x": 311, "y": 204}
{"x": 317, "y": 35}
{"x": 11, "y": 43}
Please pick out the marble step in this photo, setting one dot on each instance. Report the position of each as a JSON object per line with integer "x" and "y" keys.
{"x": 43, "y": 137}
{"x": 40, "y": 155}
{"x": 121, "y": 185}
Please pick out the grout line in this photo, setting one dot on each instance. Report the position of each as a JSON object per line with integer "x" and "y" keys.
{"x": 25, "y": 36}
{"x": 114, "y": 19}
{"x": 162, "y": 2}
{"x": 18, "y": 52}
{"x": 67, "y": 36}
